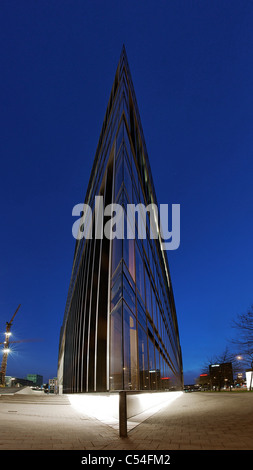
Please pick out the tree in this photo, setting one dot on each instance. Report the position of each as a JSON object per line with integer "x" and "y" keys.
{"x": 243, "y": 324}
{"x": 226, "y": 356}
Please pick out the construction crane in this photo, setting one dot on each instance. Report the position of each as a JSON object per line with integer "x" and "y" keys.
{"x": 6, "y": 349}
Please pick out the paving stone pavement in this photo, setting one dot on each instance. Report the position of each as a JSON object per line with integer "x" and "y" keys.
{"x": 194, "y": 421}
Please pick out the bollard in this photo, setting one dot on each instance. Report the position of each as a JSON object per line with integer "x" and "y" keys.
{"x": 122, "y": 414}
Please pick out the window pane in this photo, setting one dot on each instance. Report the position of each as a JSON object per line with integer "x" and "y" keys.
{"x": 151, "y": 355}
{"x": 129, "y": 278}
{"x": 118, "y": 177}
{"x": 163, "y": 381}
{"x": 141, "y": 316}
{"x": 152, "y": 371}
{"x": 130, "y": 350}
{"x": 157, "y": 366}
{"x": 128, "y": 146}
{"x": 120, "y": 135}
{"x": 139, "y": 273}
{"x": 129, "y": 255}
{"x": 116, "y": 253}
{"x": 143, "y": 359}
{"x": 155, "y": 310}
{"x": 148, "y": 295}
{"x": 116, "y": 292}
{"x": 135, "y": 174}
{"x": 116, "y": 382}
{"x": 168, "y": 376}
{"x": 127, "y": 179}
{"x": 128, "y": 294}
{"x": 161, "y": 366}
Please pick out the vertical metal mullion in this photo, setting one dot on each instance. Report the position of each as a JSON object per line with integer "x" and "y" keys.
{"x": 72, "y": 338}
{"x": 75, "y": 351}
{"x": 85, "y": 309}
{"x": 98, "y": 290}
{"x": 82, "y": 325}
{"x": 90, "y": 302}
{"x": 109, "y": 288}
{"x": 79, "y": 321}
{"x": 96, "y": 327}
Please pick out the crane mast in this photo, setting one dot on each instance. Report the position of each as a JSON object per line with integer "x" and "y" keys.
{"x": 6, "y": 348}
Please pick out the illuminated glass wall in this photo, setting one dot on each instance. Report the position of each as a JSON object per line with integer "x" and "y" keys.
{"x": 120, "y": 327}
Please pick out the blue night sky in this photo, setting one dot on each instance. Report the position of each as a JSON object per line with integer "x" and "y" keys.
{"x": 192, "y": 68}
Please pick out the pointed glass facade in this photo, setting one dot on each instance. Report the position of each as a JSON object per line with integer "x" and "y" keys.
{"x": 120, "y": 327}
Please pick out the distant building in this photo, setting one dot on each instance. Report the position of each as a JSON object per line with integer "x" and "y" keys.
{"x": 17, "y": 382}
{"x": 192, "y": 388}
{"x": 52, "y": 385}
{"x": 8, "y": 380}
{"x": 35, "y": 379}
{"x": 204, "y": 381}
{"x": 239, "y": 380}
{"x": 221, "y": 375}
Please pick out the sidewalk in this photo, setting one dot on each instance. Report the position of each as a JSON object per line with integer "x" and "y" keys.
{"x": 194, "y": 421}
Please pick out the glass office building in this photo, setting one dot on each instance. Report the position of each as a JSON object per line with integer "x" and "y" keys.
{"x": 120, "y": 328}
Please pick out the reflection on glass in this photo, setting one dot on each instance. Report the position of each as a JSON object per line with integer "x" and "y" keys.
{"x": 148, "y": 294}
{"x": 128, "y": 294}
{"x": 155, "y": 310}
{"x": 152, "y": 370}
{"x": 116, "y": 253}
{"x": 129, "y": 256}
{"x": 116, "y": 382}
{"x": 143, "y": 359}
{"x": 161, "y": 366}
{"x": 128, "y": 247}
{"x": 120, "y": 135}
{"x": 141, "y": 315}
{"x": 118, "y": 177}
{"x": 127, "y": 179}
{"x": 139, "y": 273}
{"x": 130, "y": 350}
{"x": 166, "y": 377}
{"x": 137, "y": 364}
{"x": 116, "y": 292}
{"x": 128, "y": 145}
{"x": 157, "y": 365}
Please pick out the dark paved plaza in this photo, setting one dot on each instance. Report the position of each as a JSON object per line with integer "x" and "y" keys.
{"x": 197, "y": 421}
